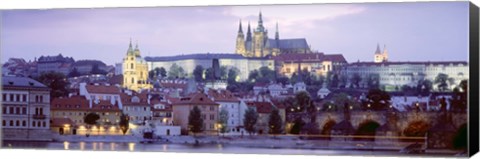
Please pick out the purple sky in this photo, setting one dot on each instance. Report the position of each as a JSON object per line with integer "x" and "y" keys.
{"x": 412, "y": 31}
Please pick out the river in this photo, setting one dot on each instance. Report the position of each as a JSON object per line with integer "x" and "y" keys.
{"x": 185, "y": 148}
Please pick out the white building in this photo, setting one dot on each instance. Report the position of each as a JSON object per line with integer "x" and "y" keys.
{"x": 95, "y": 92}
{"x": 189, "y": 62}
{"x": 393, "y": 75}
{"x": 236, "y": 109}
{"x": 26, "y": 109}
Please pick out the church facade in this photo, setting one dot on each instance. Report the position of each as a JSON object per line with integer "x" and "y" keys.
{"x": 258, "y": 44}
{"x": 135, "y": 70}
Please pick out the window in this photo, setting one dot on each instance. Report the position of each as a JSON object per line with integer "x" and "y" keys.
{"x": 133, "y": 81}
{"x": 131, "y": 65}
{"x": 11, "y": 122}
{"x": 11, "y": 110}
{"x": 4, "y": 110}
{"x": 17, "y": 98}
{"x": 212, "y": 117}
{"x": 11, "y": 97}
{"x": 17, "y": 123}
{"x": 17, "y": 110}
{"x": 44, "y": 124}
{"x": 4, "y": 123}
{"x": 4, "y": 97}
{"x": 24, "y": 97}
{"x": 33, "y": 123}
{"x": 24, "y": 123}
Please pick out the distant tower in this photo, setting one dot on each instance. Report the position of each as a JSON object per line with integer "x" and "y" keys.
{"x": 259, "y": 37}
{"x": 275, "y": 50}
{"x": 379, "y": 55}
{"x": 135, "y": 70}
{"x": 240, "y": 46}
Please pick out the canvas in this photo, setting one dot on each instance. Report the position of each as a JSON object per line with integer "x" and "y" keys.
{"x": 357, "y": 79}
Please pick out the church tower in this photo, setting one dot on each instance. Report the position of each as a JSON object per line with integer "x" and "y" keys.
{"x": 135, "y": 70}
{"x": 276, "y": 50}
{"x": 379, "y": 55}
{"x": 240, "y": 46}
{"x": 259, "y": 37}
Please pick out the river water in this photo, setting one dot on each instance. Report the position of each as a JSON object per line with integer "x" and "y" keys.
{"x": 187, "y": 148}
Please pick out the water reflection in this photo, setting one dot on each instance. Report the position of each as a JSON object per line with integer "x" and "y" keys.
{"x": 164, "y": 147}
{"x": 100, "y": 145}
{"x": 82, "y": 145}
{"x": 94, "y": 145}
{"x": 66, "y": 145}
{"x": 112, "y": 146}
{"x": 131, "y": 146}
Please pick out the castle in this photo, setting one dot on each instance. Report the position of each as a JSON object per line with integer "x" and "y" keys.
{"x": 259, "y": 45}
{"x": 135, "y": 70}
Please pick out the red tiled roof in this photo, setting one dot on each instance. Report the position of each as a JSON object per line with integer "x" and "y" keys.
{"x": 71, "y": 103}
{"x": 103, "y": 89}
{"x": 195, "y": 98}
{"x": 311, "y": 57}
{"x": 222, "y": 95}
{"x": 262, "y": 107}
{"x": 105, "y": 106}
{"x": 127, "y": 99}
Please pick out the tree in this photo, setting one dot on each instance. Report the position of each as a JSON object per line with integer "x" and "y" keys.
{"x": 153, "y": 74}
{"x": 373, "y": 81}
{"x": 74, "y": 73}
{"x": 195, "y": 121}
{"x": 198, "y": 73}
{"x": 91, "y": 119}
{"x": 275, "y": 122}
{"x": 223, "y": 120}
{"x": 162, "y": 72}
{"x": 176, "y": 72}
{"x": 356, "y": 80}
{"x": 209, "y": 74}
{"x": 459, "y": 99}
{"x": 232, "y": 75}
{"x": 56, "y": 82}
{"x": 96, "y": 70}
{"x": 298, "y": 124}
{"x": 424, "y": 87}
{"x": 250, "y": 120}
{"x": 124, "y": 123}
{"x": 441, "y": 80}
{"x": 377, "y": 99}
{"x": 223, "y": 72}
{"x": 302, "y": 101}
{"x": 340, "y": 99}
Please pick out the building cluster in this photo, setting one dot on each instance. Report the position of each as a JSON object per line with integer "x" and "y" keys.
{"x": 57, "y": 63}
{"x": 167, "y": 103}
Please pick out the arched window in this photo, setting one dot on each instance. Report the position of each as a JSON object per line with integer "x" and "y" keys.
{"x": 131, "y": 65}
{"x": 4, "y": 123}
{"x": 33, "y": 123}
{"x": 11, "y": 122}
{"x": 24, "y": 123}
{"x": 133, "y": 81}
{"x": 44, "y": 124}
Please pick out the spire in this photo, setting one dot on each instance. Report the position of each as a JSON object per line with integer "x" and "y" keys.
{"x": 384, "y": 48}
{"x": 277, "y": 36}
{"x": 240, "y": 27}
{"x": 378, "y": 49}
{"x": 249, "y": 33}
{"x": 136, "y": 46}
{"x": 260, "y": 27}
{"x": 130, "y": 49}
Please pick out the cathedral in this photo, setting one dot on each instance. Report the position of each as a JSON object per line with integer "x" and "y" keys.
{"x": 259, "y": 45}
{"x": 135, "y": 70}
{"x": 381, "y": 56}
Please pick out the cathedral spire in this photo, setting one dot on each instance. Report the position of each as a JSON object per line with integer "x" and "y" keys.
{"x": 277, "y": 36}
{"x": 249, "y": 33}
{"x": 260, "y": 27}
{"x": 378, "y": 49}
{"x": 240, "y": 30}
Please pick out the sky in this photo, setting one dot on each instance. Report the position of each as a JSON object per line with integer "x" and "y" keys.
{"x": 426, "y": 31}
